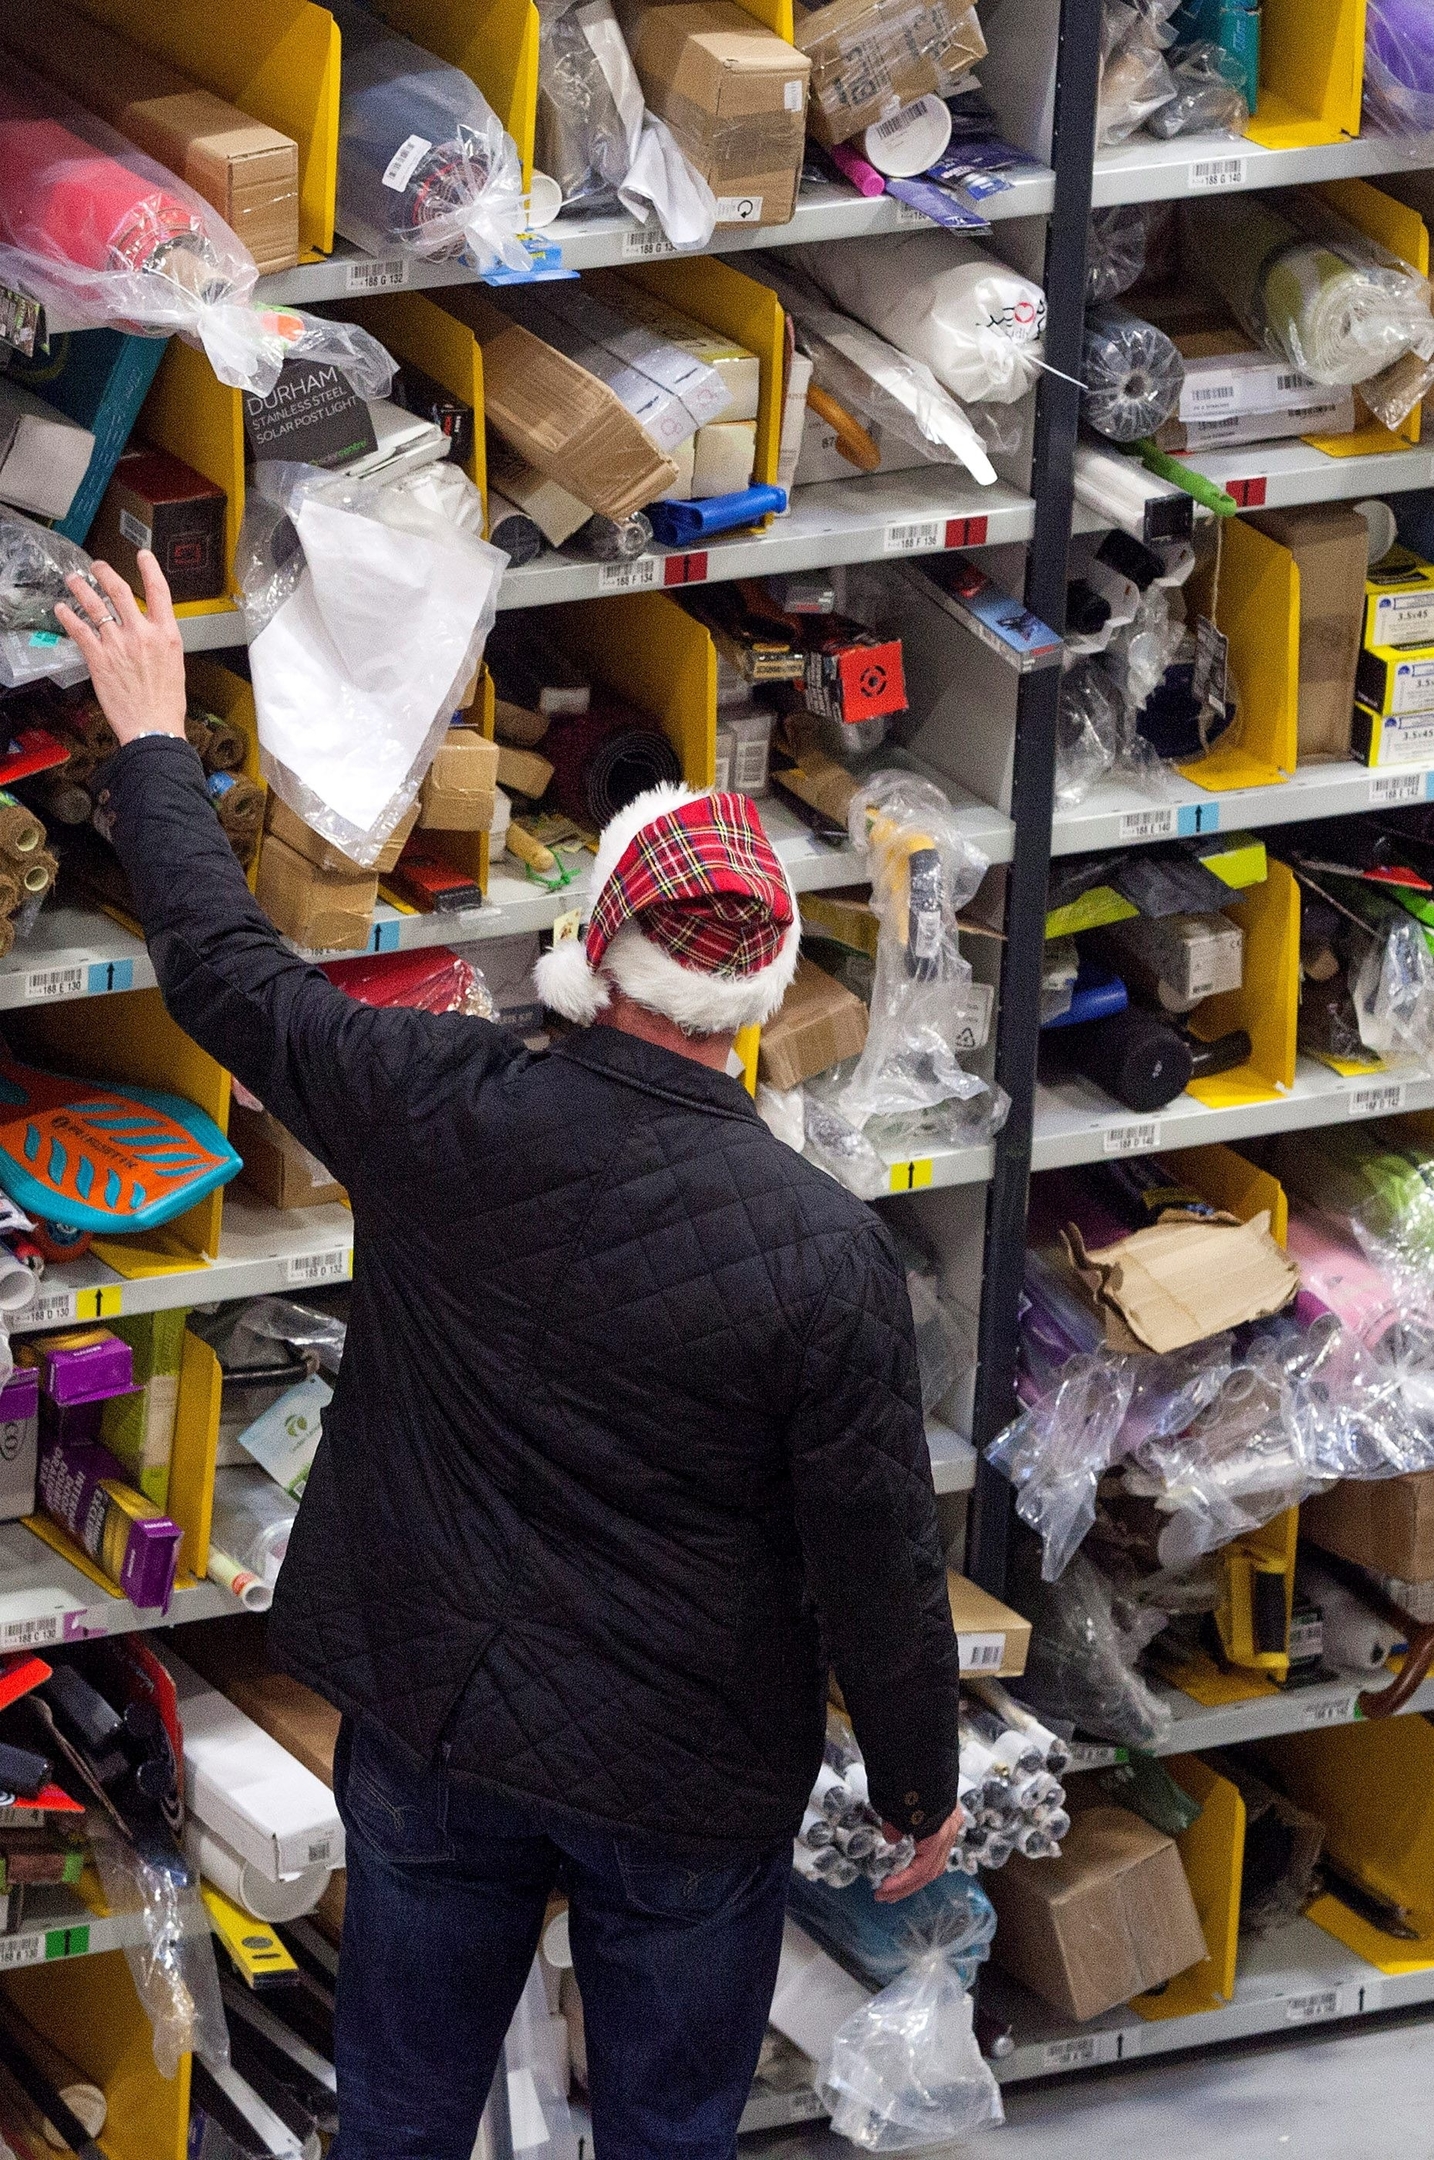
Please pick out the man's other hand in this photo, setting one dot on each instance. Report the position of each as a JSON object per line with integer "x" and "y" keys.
{"x": 928, "y": 1861}
{"x": 136, "y": 661}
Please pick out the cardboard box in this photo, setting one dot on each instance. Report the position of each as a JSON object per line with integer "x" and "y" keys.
{"x": 1185, "y": 1278}
{"x": 285, "y": 825}
{"x": 247, "y": 1789}
{"x": 1178, "y": 959}
{"x": 276, "y": 1165}
{"x": 523, "y": 771}
{"x": 247, "y": 170}
{"x": 44, "y": 455}
{"x": 558, "y": 417}
{"x": 458, "y": 792}
{"x": 158, "y": 502}
{"x": 556, "y": 513}
{"x": 1110, "y": 1919}
{"x": 1330, "y": 545}
{"x": 819, "y": 1024}
{"x": 1399, "y": 600}
{"x": 322, "y": 909}
{"x": 1236, "y": 392}
{"x": 852, "y": 675}
{"x": 993, "y": 1640}
{"x": 231, "y": 1656}
{"x": 1385, "y": 1524}
{"x": 397, "y": 840}
{"x": 312, "y": 416}
{"x": 734, "y": 95}
{"x": 868, "y": 61}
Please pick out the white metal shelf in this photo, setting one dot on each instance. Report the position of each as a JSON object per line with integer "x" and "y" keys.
{"x": 1278, "y": 475}
{"x": 1145, "y": 169}
{"x": 59, "y": 1924}
{"x": 44, "y": 1600}
{"x": 1116, "y": 815}
{"x": 1264, "y": 1717}
{"x": 1077, "y": 1122}
{"x": 825, "y": 211}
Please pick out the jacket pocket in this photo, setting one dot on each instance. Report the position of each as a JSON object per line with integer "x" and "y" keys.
{"x": 398, "y": 1807}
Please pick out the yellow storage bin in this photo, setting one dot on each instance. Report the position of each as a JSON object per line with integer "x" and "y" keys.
{"x": 727, "y": 300}
{"x": 1311, "y": 72}
{"x": 1267, "y": 1003}
{"x": 419, "y": 331}
{"x": 651, "y": 652}
{"x": 194, "y": 416}
{"x": 1256, "y": 603}
{"x": 1212, "y": 1853}
{"x": 88, "y": 2009}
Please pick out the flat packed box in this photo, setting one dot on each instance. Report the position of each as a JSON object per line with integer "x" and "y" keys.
{"x": 459, "y": 788}
{"x": 323, "y": 910}
{"x": 247, "y": 1789}
{"x": 44, "y": 455}
{"x": 733, "y": 93}
{"x": 1386, "y": 1524}
{"x": 993, "y": 1640}
{"x": 247, "y": 170}
{"x": 230, "y": 1654}
{"x": 558, "y": 416}
{"x": 1399, "y": 600}
{"x": 1330, "y": 545}
{"x": 819, "y": 1024}
{"x": 868, "y": 61}
{"x": 158, "y": 502}
{"x": 276, "y": 1165}
{"x": 1110, "y": 1919}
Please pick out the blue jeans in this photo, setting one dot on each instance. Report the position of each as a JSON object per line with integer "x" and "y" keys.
{"x": 675, "y": 1958}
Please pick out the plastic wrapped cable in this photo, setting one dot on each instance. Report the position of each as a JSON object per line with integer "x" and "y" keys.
{"x": 104, "y": 237}
{"x": 425, "y": 165}
{"x": 1082, "y": 1662}
{"x": 34, "y": 565}
{"x": 905, "y": 2072}
{"x": 944, "y": 300}
{"x": 1209, "y": 95}
{"x": 1135, "y": 80}
{"x": 1393, "y": 992}
{"x": 1115, "y": 251}
{"x": 1398, "y": 67}
{"x": 1132, "y": 375}
{"x": 1088, "y": 732}
{"x": 367, "y": 607}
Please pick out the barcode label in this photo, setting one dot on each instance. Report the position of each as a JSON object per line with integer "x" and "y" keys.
{"x": 361, "y": 277}
{"x": 135, "y": 530}
{"x": 645, "y": 244}
{"x": 317, "y": 1267}
{"x": 630, "y": 576}
{"x": 982, "y": 1653}
{"x": 401, "y": 166}
{"x": 917, "y": 536}
{"x": 1141, "y": 1139}
{"x": 1076, "y": 2054}
{"x": 33, "y": 1633}
{"x": 1212, "y": 393}
{"x": 1217, "y": 173}
{"x": 48, "y": 1311}
{"x": 18, "y": 1950}
{"x": 1380, "y": 1101}
{"x": 908, "y": 214}
{"x": 1309, "y": 2009}
{"x": 1147, "y": 824}
{"x": 319, "y": 1851}
{"x": 1386, "y": 789}
{"x": 1343, "y": 1711}
{"x": 794, "y": 96}
{"x": 55, "y": 982}
{"x": 1295, "y": 381}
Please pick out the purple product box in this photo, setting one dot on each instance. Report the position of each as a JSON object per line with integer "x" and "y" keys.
{"x": 86, "y": 1491}
{"x": 19, "y": 1441}
{"x": 73, "y": 1370}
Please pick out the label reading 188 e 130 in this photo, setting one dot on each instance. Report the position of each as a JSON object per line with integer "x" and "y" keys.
{"x": 55, "y": 982}
{"x": 1379, "y": 1101}
{"x": 1141, "y": 1139}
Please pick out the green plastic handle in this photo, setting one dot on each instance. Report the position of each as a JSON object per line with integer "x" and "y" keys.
{"x": 1168, "y": 468}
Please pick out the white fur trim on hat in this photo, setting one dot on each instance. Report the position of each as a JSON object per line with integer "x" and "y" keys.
{"x": 700, "y": 1003}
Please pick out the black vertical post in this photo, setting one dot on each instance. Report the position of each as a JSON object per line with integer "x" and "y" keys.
{"x": 1033, "y": 774}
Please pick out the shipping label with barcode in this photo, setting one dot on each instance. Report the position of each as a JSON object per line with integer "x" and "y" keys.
{"x": 916, "y": 536}
{"x": 1148, "y": 824}
{"x": 1076, "y": 2054}
{"x": 630, "y": 576}
{"x": 1309, "y": 2009}
{"x": 55, "y": 982}
{"x": 982, "y": 1653}
{"x": 1141, "y": 1139}
{"x": 1222, "y": 172}
{"x": 1380, "y": 1100}
{"x": 405, "y": 160}
{"x": 1217, "y": 389}
{"x": 1387, "y": 789}
{"x": 317, "y": 1267}
{"x": 386, "y": 276}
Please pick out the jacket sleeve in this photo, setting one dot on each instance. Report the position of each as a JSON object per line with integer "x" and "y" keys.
{"x": 866, "y": 1516}
{"x": 329, "y": 1068}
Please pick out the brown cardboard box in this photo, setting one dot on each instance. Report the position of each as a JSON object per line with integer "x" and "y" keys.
{"x": 734, "y": 95}
{"x": 1110, "y": 1919}
{"x": 1330, "y": 545}
{"x": 322, "y": 909}
{"x": 276, "y": 1165}
{"x": 819, "y": 1024}
{"x": 1184, "y": 1279}
{"x": 247, "y": 170}
{"x": 523, "y": 771}
{"x": 843, "y": 914}
{"x": 1386, "y": 1525}
{"x": 867, "y": 60}
{"x": 158, "y": 502}
{"x": 458, "y": 792}
{"x": 559, "y": 417}
{"x": 291, "y": 829}
{"x": 230, "y": 1655}
{"x": 993, "y": 1639}
{"x": 394, "y": 845}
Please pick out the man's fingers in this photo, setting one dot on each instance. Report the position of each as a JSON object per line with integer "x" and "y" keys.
{"x": 156, "y": 591}
{"x": 84, "y": 634}
{"x": 915, "y": 1876}
{"x": 91, "y": 604}
{"x": 121, "y": 598}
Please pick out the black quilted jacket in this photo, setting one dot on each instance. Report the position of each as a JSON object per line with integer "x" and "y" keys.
{"x": 628, "y": 1436}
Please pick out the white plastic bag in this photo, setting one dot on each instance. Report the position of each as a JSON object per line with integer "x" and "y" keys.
{"x": 367, "y": 609}
{"x": 905, "y": 2072}
{"x": 538, "y": 2115}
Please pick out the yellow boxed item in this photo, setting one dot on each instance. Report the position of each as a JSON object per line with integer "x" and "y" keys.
{"x": 276, "y": 1165}
{"x": 1111, "y": 1918}
{"x": 1393, "y": 738}
{"x": 139, "y": 1428}
{"x": 322, "y": 909}
{"x": 993, "y": 1639}
{"x": 459, "y": 789}
{"x": 248, "y": 171}
{"x": 1399, "y": 599}
{"x": 1396, "y": 680}
{"x": 559, "y": 417}
{"x": 820, "y": 1023}
{"x": 734, "y": 95}
{"x": 869, "y": 59}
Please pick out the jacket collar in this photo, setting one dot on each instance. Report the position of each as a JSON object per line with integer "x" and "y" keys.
{"x": 637, "y": 1064}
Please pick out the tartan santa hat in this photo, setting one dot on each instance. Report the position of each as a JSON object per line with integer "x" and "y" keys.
{"x": 691, "y": 915}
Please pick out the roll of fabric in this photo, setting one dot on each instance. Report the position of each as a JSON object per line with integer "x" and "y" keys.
{"x": 1132, "y": 372}
{"x": 1114, "y": 251}
{"x": 605, "y": 757}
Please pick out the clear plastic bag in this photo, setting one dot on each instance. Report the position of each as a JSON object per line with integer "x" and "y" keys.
{"x": 172, "y": 1966}
{"x": 1398, "y": 68}
{"x": 1056, "y": 1452}
{"x": 1085, "y": 1644}
{"x": 425, "y": 165}
{"x": 103, "y": 237}
{"x": 1115, "y": 251}
{"x": 1209, "y": 98}
{"x": 1135, "y": 80}
{"x": 34, "y": 564}
{"x": 1393, "y": 992}
{"x": 1132, "y": 375}
{"x": 317, "y": 1336}
{"x": 1089, "y": 731}
{"x": 252, "y": 1520}
{"x": 905, "y": 2073}
{"x": 367, "y": 608}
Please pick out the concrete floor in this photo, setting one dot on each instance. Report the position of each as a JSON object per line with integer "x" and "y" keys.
{"x": 1365, "y": 2092}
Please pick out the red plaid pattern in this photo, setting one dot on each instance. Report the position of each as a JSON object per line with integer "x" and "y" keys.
{"x": 707, "y": 886}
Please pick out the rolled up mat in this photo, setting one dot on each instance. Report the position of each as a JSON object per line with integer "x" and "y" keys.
{"x": 1132, "y": 374}
{"x": 239, "y": 1879}
{"x": 678, "y": 524}
{"x": 602, "y": 759}
{"x": 1114, "y": 251}
{"x": 512, "y": 530}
